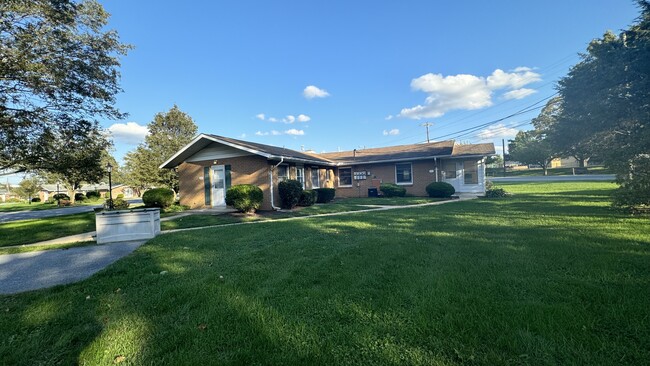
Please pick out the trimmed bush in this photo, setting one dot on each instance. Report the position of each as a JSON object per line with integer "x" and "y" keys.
{"x": 93, "y": 195}
{"x": 244, "y": 197}
{"x": 36, "y": 200}
{"x": 496, "y": 193}
{"x": 61, "y": 196}
{"x": 308, "y": 198}
{"x": 290, "y": 192}
{"x": 325, "y": 195}
{"x": 440, "y": 189}
{"x": 392, "y": 190}
{"x": 158, "y": 197}
{"x": 79, "y": 197}
{"x": 118, "y": 204}
{"x": 121, "y": 195}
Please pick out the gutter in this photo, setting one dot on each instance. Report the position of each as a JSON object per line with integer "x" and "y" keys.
{"x": 271, "y": 182}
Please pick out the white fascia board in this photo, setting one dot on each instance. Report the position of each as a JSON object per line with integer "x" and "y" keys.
{"x": 194, "y": 141}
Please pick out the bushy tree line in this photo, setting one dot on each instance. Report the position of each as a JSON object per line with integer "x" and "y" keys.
{"x": 603, "y": 109}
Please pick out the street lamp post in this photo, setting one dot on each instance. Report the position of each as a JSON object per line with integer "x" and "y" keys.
{"x": 109, "y": 168}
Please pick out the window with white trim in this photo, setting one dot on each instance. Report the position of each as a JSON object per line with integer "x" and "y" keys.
{"x": 315, "y": 178}
{"x": 283, "y": 173}
{"x": 300, "y": 176}
{"x": 404, "y": 173}
{"x": 345, "y": 177}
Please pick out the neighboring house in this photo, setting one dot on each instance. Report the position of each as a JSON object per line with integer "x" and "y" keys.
{"x": 210, "y": 164}
{"x": 6, "y": 193}
{"x": 568, "y": 162}
{"x": 49, "y": 190}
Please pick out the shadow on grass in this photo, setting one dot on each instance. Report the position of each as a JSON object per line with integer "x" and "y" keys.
{"x": 484, "y": 282}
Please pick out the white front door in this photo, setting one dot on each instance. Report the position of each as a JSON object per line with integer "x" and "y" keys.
{"x": 218, "y": 186}
{"x": 453, "y": 173}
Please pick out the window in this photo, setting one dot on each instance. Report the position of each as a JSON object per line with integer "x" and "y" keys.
{"x": 315, "y": 179}
{"x": 283, "y": 173}
{"x": 471, "y": 172}
{"x": 300, "y": 176}
{"x": 345, "y": 177}
{"x": 403, "y": 174}
{"x": 449, "y": 169}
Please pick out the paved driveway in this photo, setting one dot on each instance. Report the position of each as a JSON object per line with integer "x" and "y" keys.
{"x": 26, "y": 215}
{"x": 555, "y": 178}
{"x": 34, "y": 270}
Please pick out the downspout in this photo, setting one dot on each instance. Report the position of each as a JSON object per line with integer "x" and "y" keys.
{"x": 435, "y": 163}
{"x": 271, "y": 181}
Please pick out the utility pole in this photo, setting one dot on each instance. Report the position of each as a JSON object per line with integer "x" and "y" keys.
{"x": 427, "y": 125}
{"x": 503, "y": 148}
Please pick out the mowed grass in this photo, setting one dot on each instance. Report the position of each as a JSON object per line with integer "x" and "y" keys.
{"x": 549, "y": 276}
{"x": 36, "y": 230}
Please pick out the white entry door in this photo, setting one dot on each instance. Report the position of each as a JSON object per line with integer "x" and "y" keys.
{"x": 218, "y": 186}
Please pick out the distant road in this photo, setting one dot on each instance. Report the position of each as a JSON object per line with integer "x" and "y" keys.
{"x": 555, "y": 178}
{"x": 28, "y": 215}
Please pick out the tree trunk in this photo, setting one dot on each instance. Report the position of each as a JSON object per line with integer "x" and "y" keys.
{"x": 71, "y": 193}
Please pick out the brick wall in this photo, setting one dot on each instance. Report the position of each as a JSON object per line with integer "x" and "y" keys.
{"x": 244, "y": 170}
{"x": 386, "y": 173}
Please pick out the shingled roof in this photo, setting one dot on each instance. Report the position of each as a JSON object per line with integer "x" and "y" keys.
{"x": 360, "y": 156}
{"x": 392, "y": 153}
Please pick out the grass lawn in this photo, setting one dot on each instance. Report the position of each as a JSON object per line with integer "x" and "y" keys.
{"x": 32, "y": 231}
{"x": 549, "y": 276}
{"x": 498, "y": 172}
{"x": 386, "y": 201}
{"x": 39, "y": 206}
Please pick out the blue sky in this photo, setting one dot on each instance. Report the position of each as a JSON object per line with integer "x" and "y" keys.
{"x": 377, "y": 69}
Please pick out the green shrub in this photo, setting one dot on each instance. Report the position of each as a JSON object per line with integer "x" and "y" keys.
{"x": 61, "y": 196}
{"x": 158, "y": 197}
{"x": 496, "y": 193}
{"x": 440, "y": 189}
{"x": 176, "y": 207}
{"x": 392, "y": 190}
{"x": 325, "y": 195}
{"x": 118, "y": 204}
{"x": 244, "y": 197}
{"x": 79, "y": 197}
{"x": 93, "y": 195}
{"x": 121, "y": 195}
{"x": 290, "y": 191}
{"x": 308, "y": 198}
{"x": 36, "y": 199}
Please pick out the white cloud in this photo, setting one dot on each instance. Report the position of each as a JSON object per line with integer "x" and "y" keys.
{"x": 389, "y": 117}
{"x": 497, "y": 131}
{"x": 294, "y": 132}
{"x": 289, "y": 119}
{"x": 261, "y": 116}
{"x": 129, "y": 133}
{"x": 519, "y": 93}
{"x": 303, "y": 118}
{"x": 273, "y": 119}
{"x": 312, "y": 92}
{"x": 514, "y": 80}
{"x": 242, "y": 136}
{"x": 463, "y": 91}
{"x": 260, "y": 133}
{"x": 393, "y": 132}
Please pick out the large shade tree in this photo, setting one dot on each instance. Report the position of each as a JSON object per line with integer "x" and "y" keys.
{"x": 58, "y": 75}
{"x": 168, "y": 133}
{"x": 531, "y": 147}
{"x": 606, "y": 103}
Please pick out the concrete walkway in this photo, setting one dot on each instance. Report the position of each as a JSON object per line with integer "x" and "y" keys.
{"x": 35, "y": 270}
{"x": 28, "y": 215}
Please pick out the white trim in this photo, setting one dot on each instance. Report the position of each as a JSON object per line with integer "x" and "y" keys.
{"x": 338, "y": 177}
{"x": 303, "y": 175}
{"x": 410, "y": 174}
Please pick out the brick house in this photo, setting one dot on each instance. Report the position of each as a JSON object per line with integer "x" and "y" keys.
{"x": 209, "y": 164}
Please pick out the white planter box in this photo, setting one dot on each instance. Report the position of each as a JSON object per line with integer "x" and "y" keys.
{"x": 127, "y": 225}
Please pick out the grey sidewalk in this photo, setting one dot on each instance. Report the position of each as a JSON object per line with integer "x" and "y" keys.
{"x": 34, "y": 270}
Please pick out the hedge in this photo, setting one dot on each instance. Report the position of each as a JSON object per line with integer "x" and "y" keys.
{"x": 244, "y": 197}
{"x": 325, "y": 195}
{"x": 392, "y": 190}
{"x": 440, "y": 189}
{"x": 158, "y": 197}
{"x": 308, "y": 198}
{"x": 290, "y": 192}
